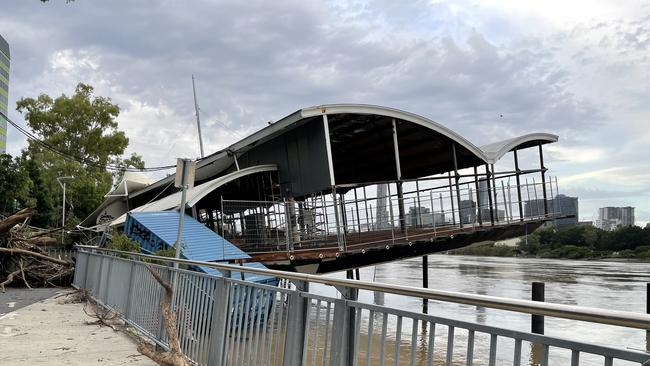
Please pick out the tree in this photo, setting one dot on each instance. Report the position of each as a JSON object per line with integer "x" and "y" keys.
{"x": 82, "y": 128}
{"x": 15, "y": 185}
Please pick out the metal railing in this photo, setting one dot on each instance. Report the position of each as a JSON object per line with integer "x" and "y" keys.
{"x": 225, "y": 321}
{"x": 353, "y": 221}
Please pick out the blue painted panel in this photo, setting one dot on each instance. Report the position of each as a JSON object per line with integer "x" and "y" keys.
{"x": 199, "y": 242}
{"x": 158, "y": 230}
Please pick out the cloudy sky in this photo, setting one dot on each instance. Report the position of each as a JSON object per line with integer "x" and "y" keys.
{"x": 487, "y": 69}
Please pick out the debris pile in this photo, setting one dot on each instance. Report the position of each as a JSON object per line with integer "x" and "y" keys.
{"x": 23, "y": 257}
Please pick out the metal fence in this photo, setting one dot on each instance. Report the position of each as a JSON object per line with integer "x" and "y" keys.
{"x": 355, "y": 220}
{"x": 224, "y": 321}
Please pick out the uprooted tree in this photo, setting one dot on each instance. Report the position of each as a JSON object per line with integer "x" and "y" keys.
{"x": 23, "y": 256}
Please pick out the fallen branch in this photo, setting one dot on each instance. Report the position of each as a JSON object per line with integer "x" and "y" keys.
{"x": 37, "y": 255}
{"x": 175, "y": 356}
{"x": 9, "y": 279}
{"x": 13, "y": 220}
{"x": 22, "y": 272}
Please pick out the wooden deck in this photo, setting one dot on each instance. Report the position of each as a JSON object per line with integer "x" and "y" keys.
{"x": 373, "y": 247}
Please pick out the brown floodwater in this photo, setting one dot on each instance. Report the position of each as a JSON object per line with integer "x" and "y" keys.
{"x": 599, "y": 284}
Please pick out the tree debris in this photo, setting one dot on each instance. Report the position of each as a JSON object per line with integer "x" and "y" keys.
{"x": 22, "y": 255}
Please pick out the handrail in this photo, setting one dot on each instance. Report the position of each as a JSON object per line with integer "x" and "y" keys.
{"x": 594, "y": 315}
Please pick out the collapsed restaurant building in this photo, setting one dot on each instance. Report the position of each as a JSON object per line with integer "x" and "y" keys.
{"x": 335, "y": 187}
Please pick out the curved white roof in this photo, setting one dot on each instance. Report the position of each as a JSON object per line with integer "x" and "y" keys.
{"x": 195, "y": 194}
{"x": 217, "y": 162}
{"x": 496, "y": 150}
{"x": 393, "y": 113}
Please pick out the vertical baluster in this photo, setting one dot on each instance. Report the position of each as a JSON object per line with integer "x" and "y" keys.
{"x": 316, "y": 334}
{"x": 575, "y": 358}
{"x": 450, "y": 345}
{"x": 271, "y": 328}
{"x": 327, "y": 333}
{"x": 493, "y": 350}
{"x": 371, "y": 321}
{"x": 470, "y": 347}
{"x": 398, "y": 339}
{"x": 279, "y": 337}
{"x": 431, "y": 348}
{"x": 517, "y": 358}
{"x": 382, "y": 341}
{"x": 305, "y": 344}
{"x": 248, "y": 345}
{"x": 357, "y": 333}
{"x": 414, "y": 339}
{"x": 544, "y": 361}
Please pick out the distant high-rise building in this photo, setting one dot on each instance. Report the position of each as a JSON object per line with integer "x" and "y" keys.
{"x": 611, "y": 218}
{"x": 4, "y": 91}
{"x": 563, "y": 206}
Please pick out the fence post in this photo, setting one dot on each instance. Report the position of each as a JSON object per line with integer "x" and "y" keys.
{"x": 127, "y": 306}
{"x": 343, "y": 329}
{"x": 219, "y": 322}
{"x": 537, "y": 321}
{"x": 647, "y": 310}
{"x": 298, "y": 307}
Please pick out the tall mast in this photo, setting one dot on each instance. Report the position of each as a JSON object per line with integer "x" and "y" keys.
{"x": 198, "y": 119}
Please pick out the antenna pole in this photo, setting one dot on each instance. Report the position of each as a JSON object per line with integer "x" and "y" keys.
{"x": 198, "y": 119}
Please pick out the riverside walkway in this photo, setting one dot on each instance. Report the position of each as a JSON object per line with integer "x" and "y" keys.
{"x": 52, "y": 332}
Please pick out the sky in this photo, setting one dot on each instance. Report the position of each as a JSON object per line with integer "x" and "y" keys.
{"x": 488, "y": 69}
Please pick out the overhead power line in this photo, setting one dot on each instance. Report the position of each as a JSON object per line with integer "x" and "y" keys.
{"x": 82, "y": 160}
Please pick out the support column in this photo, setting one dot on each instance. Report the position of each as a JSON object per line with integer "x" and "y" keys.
{"x": 489, "y": 193}
{"x": 457, "y": 180}
{"x": 543, "y": 169}
{"x": 517, "y": 174}
{"x": 425, "y": 282}
{"x": 400, "y": 206}
{"x": 400, "y": 192}
{"x": 494, "y": 185}
{"x": 478, "y": 198}
{"x": 451, "y": 199}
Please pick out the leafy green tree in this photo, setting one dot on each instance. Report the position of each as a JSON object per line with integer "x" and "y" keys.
{"x": 83, "y": 128}
{"x": 15, "y": 185}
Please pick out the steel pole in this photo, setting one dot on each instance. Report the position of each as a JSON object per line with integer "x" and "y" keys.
{"x": 63, "y": 217}
{"x": 181, "y": 220}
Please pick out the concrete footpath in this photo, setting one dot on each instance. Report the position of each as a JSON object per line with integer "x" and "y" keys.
{"x": 52, "y": 332}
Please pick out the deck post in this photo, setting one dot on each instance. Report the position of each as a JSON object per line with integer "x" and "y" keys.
{"x": 400, "y": 207}
{"x": 451, "y": 198}
{"x": 647, "y": 311}
{"x": 457, "y": 181}
{"x": 339, "y": 237}
{"x": 489, "y": 193}
{"x": 517, "y": 176}
{"x": 494, "y": 186}
{"x": 543, "y": 170}
{"x": 398, "y": 169}
{"x": 425, "y": 282}
{"x": 419, "y": 209}
{"x": 356, "y": 204}
{"x": 478, "y": 198}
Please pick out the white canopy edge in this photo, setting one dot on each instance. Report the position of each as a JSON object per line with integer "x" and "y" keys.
{"x": 496, "y": 150}
{"x": 195, "y": 194}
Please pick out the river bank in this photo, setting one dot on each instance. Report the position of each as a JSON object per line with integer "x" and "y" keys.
{"x": 565, "y": 252}
{"x": 577, "y": 242}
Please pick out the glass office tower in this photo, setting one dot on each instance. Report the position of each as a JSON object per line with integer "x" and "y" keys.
{"x": 4, "y": 92}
